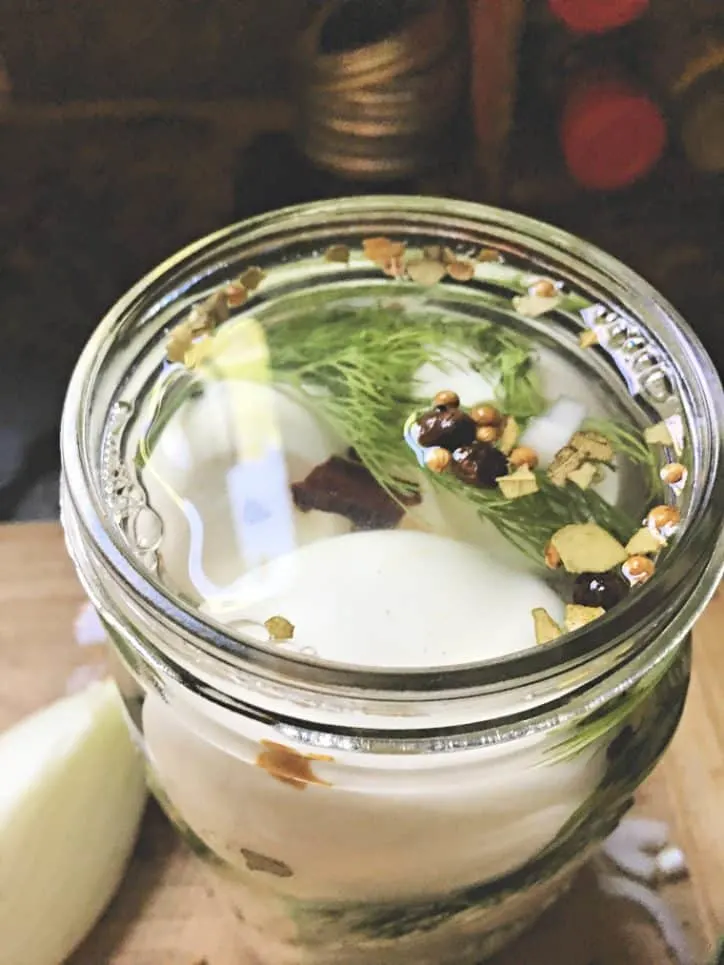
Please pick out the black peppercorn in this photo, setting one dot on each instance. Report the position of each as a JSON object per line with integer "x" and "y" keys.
{"x": 599, "y": 589}
{"x": 449, "y": 428}
{"x": 479, "y": 464}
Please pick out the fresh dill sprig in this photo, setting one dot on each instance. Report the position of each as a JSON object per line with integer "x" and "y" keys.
{"x": 357, "y": 368}
{"x": 627, "y": 441}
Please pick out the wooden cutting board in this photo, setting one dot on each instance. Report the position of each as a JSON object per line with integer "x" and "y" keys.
{"x": 167, "y": 913}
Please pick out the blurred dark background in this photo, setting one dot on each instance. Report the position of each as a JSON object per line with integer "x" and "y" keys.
{"x": 128, "y": 129}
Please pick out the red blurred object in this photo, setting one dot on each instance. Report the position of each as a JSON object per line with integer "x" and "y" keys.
{"x": 612, "y": 134}
{"x": 597, "y": 16}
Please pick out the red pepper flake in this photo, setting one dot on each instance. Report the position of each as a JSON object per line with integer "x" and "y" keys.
{"x": 289, "y": 766}
{"x": 346, "y": 487}
{"x": 236, "y": 295}
{"x": 261, "y": 862}
{"x": 461, "y": 270}
{"x": 394, "y": 267}
{"x": 382, "y": 250}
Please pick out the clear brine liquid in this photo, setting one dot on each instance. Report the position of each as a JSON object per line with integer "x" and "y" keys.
{"x": 262, "y": 467}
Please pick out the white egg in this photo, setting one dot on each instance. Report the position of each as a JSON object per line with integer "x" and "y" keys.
{"x": 396, "y": 598}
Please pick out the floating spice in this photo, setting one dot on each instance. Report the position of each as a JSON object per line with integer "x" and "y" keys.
{"x": 603, "y": 590}
{"x": 566, "y": 461}
{"x": 644, "y": 542}
{"x": 522, "y": 482}
{"x": 461, "y": 270}
{"x": 673, "y": 473}
{"x": 552, "y": 557}
{"x": 252, "y": 278}
{"x": 638, "y": 569}
{"x": 523, "y": 456}
{"x": 543, "y": 288}
{"x": 546, "y": 628}
{"x": 588, "y": 338}
{"x": 289, "y": 766}
{"x": 449, "y": 428}
{"x": 446, "y": 399}
{"x": 594, "y": 445}
{"x": 485, "y": 414}
{"x": 270, "y": 866}
{"x": 532, "y": 306}
{"x": 236, "y": 295}
{"x": 663, "y": 520}
{"x": 424, "y": 271}
{"x": 479, "y": 464}
{"x": 279, "y": 628}
{"x": 487, "y": 433}
{"x": 337, "y": 253}
{"x": 349, "y": 489}
{"x": 580, "y": 616}
{"x": 382, "y": 250}
{"x": 437, "y": 460}
{"x": 658, "y": 434}
{"x": 509, "y": 435}
{"x": 179, "y": 342}
{"x": 586, "y": 547}
{"x": 584, "y": 476}
{"x": 185, "y": 338}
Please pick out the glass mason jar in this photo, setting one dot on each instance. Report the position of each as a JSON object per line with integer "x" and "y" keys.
{"x": 377, "y": 814}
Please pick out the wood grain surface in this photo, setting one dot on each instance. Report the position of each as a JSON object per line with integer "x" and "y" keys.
{"x": 168, "y": 911}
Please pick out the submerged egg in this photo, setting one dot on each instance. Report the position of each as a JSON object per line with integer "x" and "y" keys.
{"x": 395, "y": 598}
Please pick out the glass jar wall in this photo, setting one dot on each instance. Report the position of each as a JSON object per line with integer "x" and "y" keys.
{"x": 315, "y": 482}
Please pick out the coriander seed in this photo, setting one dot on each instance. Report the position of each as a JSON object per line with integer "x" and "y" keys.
{"x": 447, "y": 399}
{"x": 543, "y": 288}
{"x": 437, "y": 460}
{"x": 523, "y": 456}
{"x": 673, "y": 473}
{"x": 637, "y": 569}
{"x": 486, "y": 433}
{"x": 663, "y": 518}
{"x": 485, "y": 415}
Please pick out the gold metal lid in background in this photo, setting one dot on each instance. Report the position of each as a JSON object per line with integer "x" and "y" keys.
{"x": 385, "y": 109}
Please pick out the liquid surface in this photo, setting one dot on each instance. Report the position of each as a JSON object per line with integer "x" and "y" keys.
{"x": 298, "y": 484}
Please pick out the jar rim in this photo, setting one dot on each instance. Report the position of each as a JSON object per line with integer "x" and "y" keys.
{"x": 675, "y": 595}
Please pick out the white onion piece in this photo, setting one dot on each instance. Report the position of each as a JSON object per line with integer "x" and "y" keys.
{"x": 548, "y": 433}
{"x": 455, "y": 374}
{"x": 71, "y": 799}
